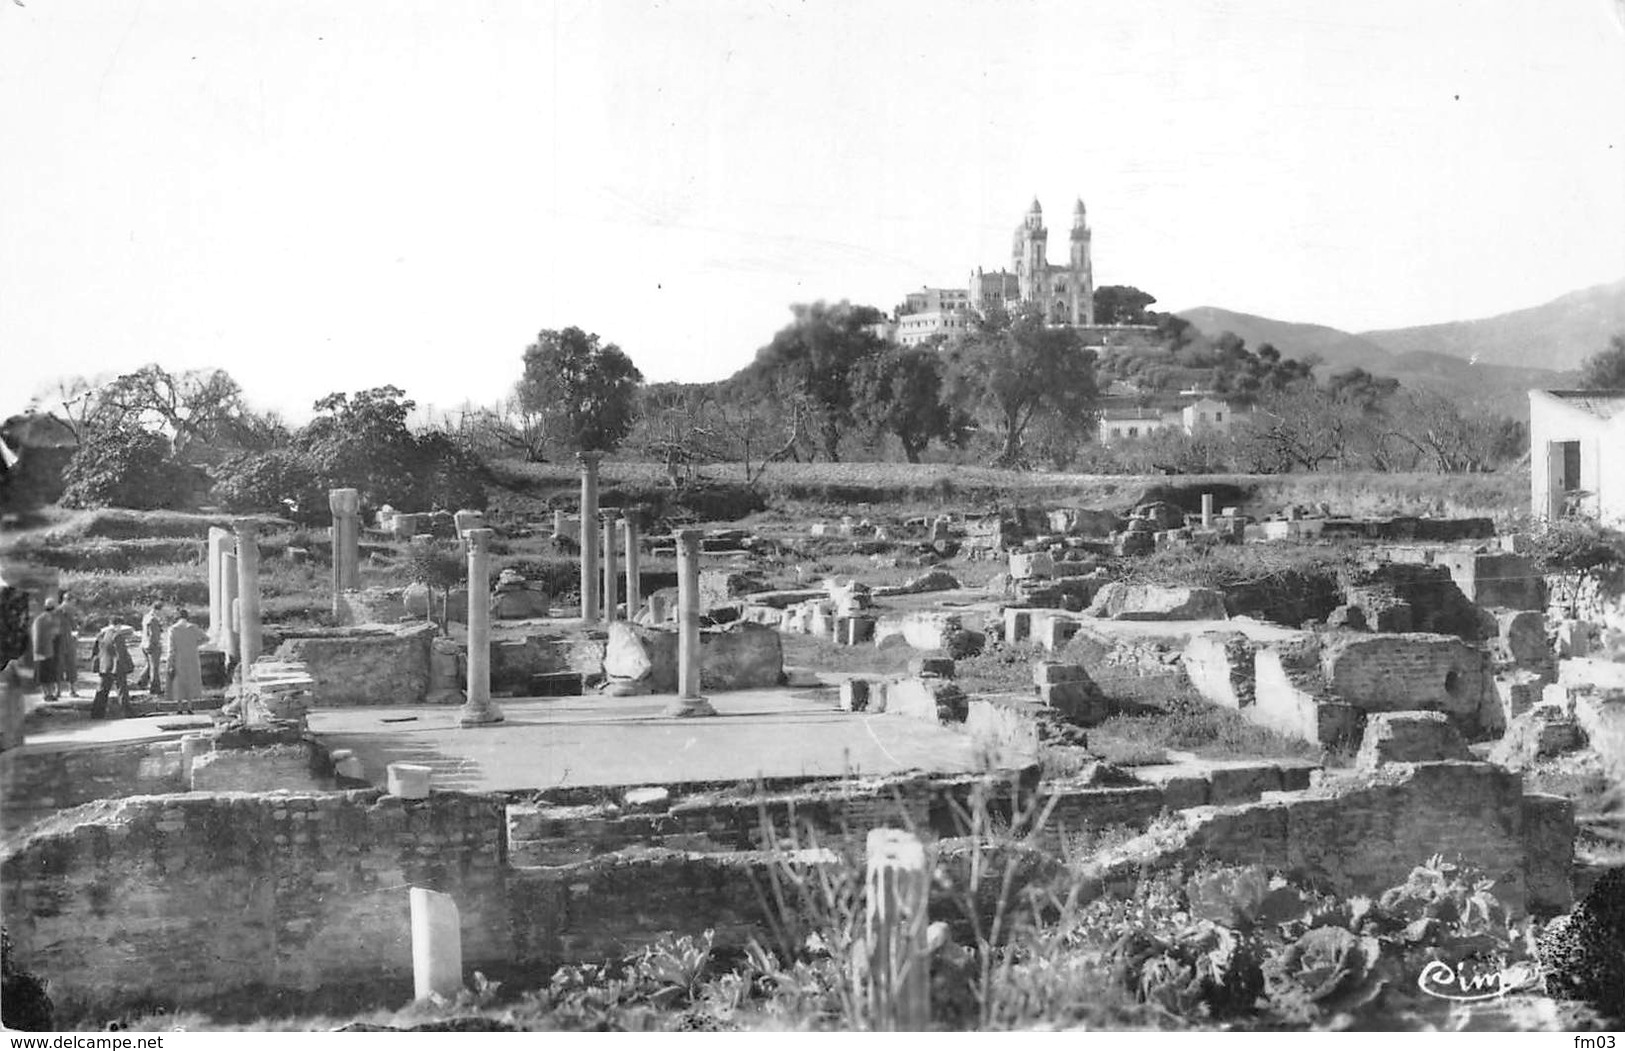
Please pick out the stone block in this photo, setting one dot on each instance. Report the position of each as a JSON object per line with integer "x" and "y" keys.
{"x": 1540, "y": 733}
{"x": 1120, "y": 601}
{"x": 1031, "y": 565}
{"x": 364, "y": 665}
{"x": 1410, "y": 737}
{"x": 1520, "y": 636}
{"x": 1496, "y": 579}
{"x": 1079, "y": 702}
{"x": 408, "y": 780}
{"x": 928, "y": 667}
{"x": 1046, "y": 673}
{"x": 1410, "y": 672}
{"x": 1347, "y": 617}
{"x": 1235, "y": 783}
{"x": 931, "y": 700}
{"x": 1296, "y": 774}
{"x": 1548, "y": 842}
{"x": 649, "y": 799}
{"x": 1053, "y": 631}
{"x": 1220, "y": 667}
{"x": 1184, "y": 790}
{"x": 520, "y": 603}
{"x": 862, "y": 695}
{"x": 1515, "y": 692}
{"x": 437, "y": 945}
{"x": 1018, "y": 624}
{"x": 635, "y": 653}
{"x": 921, "y": 629}
{"x": 854, "y": 630}
{"x": 741, "y": 656}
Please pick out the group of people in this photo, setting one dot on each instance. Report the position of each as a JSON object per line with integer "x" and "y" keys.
{"x": 169, "y": 648}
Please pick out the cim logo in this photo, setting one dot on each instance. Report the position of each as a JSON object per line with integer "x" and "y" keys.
{"x": 1466, "y": 982}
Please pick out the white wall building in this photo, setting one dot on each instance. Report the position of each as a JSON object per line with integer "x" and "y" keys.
{"x": 1577, "y": 454}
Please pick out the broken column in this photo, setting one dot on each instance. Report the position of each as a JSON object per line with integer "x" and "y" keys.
{"x": 248, "y": 592}
{"x": 689, "y": 702}
{"x": 634, "y": 584}
{"x": 220, "y": 541}
{"x": 589, "y": 543}
{"x": 346, "y": 507}
{"x": 1207, "y": 510}
{"x": 437, "y": 945}
{"x": 479, "y": 709}
{"x": 558, "y": 524}
{"x": 230, "y": 638}
{"x": 612, "y": 584}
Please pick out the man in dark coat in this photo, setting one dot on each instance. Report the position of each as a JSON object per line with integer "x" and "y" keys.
{"x": 114, "y": 665}
{"x": 46, "y": 627}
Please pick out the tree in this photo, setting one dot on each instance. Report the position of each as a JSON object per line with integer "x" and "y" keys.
{"x": 1121, "y": 305}
{"x": 586, "y": 392}
{"x": 1302, "y": 426}
{"x": 124, "y": 466}
{"x": 362, "y": 441}
{"x": 1012, "y": 368}
{"x": 1605, "y": 370}
{"x": 899, "y": 391}
{"x": 819, "y": 353}
{"x": 191, "y": 405}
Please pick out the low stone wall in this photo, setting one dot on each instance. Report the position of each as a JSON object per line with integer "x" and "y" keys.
{"x": 37, "y": 781}
{"x": 1363, "y": 834}
{"x": 1411, "y": 672}
{"x": 364, "y": 666}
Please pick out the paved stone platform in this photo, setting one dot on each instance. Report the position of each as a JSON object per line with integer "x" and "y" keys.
{"x": 591, "y": 741}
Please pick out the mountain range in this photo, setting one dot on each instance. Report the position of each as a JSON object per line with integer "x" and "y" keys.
{"x": 1478, "y": 363}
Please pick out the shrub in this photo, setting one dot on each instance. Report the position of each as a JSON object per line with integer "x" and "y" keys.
{"x": 125, "y": 467}
{"x": 282, "y": 481}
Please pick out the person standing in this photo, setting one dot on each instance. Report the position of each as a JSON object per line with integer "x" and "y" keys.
{"x": 152, "y": 650}
{"x": 67, "y": 644}
{"x": 185, "y": 666}
{"x": 113, "y": 665}
{"x": 42, "y": 634}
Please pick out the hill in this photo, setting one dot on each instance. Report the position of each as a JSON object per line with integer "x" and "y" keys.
{"x": 1501, "y": 388}
{"x": 1561, "y": 333}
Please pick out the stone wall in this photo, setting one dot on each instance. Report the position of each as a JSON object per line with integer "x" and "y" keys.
{"x": 1411, "y": 672}
{"x": 1363, "y": 834}
{"x": 39, "y": 780}
{"x": 191, "y": 898}
{"x": 364, "y": 666}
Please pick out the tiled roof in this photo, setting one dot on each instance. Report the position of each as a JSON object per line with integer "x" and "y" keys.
{"x": 1603, "y": 404}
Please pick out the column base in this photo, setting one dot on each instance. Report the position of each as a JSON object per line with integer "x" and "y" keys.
{"x": 688, "y": 708}
{"x": 479, "y": 714}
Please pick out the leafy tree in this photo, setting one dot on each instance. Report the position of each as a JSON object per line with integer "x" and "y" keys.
{"x": 1605, "y": 370}
{"x": 124, "y": 466}
{"x": 819, "y": 354}
{"x": 1302, "y": 426}
{"x": 192, "y": 405}
{"x": 281, "y": 481}
{"x": 899, "y": 391}
{"x": 584, "y": 390}
{"x": 362, "y": 441}
{"x": 1121, "y": 305}
{"x": 1012, "y": 369}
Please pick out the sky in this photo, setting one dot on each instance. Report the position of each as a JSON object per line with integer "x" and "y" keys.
{"x": 330, "y": 196}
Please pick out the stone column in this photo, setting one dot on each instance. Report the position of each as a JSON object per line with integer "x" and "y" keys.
{"x": 689, "y": 702}
{"x": 558, "y": 523}
{"x": 589, "y": 540}
{"x": 1207, "y": 510}
{"x": 479, "y": 709}
{"x": 346, "y": 507}
{"x": 634, "y": 585}
{"x": 220, "y": 542}
{"x": 611, "y": 570}
{"x": 229, "y": 639}
{"x": 248, "y": 593}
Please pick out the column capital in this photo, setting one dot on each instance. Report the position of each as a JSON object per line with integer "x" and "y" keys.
{"x": 478, "y": 539}
{"x": 589, "y": 460}
{"x": 344, "y": 503}
{"x": 690, "y": 536}
{"x": 245, "y": 526}
{"x": 609, "y": 515}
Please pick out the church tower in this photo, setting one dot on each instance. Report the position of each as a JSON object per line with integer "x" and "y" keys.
{"x": 1083, "y": 272}
{"x": 1031, "y": 253}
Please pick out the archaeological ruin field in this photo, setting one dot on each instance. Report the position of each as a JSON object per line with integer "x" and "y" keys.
{"x": 862, "y": 746}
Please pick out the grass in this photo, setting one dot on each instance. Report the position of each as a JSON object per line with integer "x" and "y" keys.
{"x": 1193, "y": 725}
